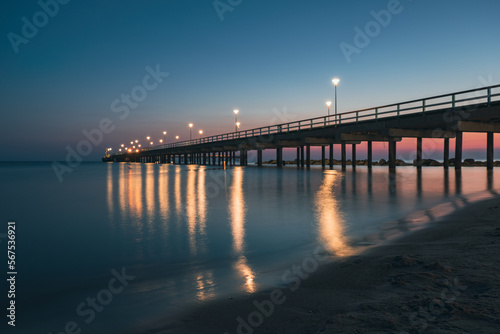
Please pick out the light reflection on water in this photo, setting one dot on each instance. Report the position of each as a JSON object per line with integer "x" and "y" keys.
{"x": 329, "y": 217}
{"x": 192, "y": 234}
{"x": 338, "y": 210}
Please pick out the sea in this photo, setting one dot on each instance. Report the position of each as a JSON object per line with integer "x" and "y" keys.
{"x": 115, "y": 247}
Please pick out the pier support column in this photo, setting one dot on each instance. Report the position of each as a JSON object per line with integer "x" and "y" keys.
{"x": 302, "y": 160}
{"x": 308, "y": 156}
{"x": 279, "y": 156}
{"x": 259, "y": 158}
{"x": 419, "y": 153}
{"x": 330, "y": 156}
{"x": 323, "y": 162}
{"x": 446, "y": 153}
{"x": 370, "y": 154}
{"x": 392, "y": 155}
{"x": 344, "y": 156}
{"x": 353, "y": 156}
{"x": 489, "y": 150}
{"x": 458, "y": 150}
{"x": 298, "y": 156}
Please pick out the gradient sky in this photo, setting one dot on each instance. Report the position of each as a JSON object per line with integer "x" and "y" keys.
{"x": 273, "y": 60}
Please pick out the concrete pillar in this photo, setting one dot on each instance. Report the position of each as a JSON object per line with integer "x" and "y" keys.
{"x": 458, "y": 150}
{"x": 259, "y": 157}
{"x": 308, "y": 156}
{"x": 446, "y": 153}
{"x": 298, "y": 156}
{"x": 419, "y": 153}
{"x": 489, "y": 150}
{"x": 323, "y": 162}
{"x": 353, "y": 156}
{"x": 370, "y": 154}
{"x": 302, "y": 160}
{"x": 344, "y": 156}
{"x": 392, "y": 155}
{"x": 279, "y": 156}
{"x": 330, "y": 156}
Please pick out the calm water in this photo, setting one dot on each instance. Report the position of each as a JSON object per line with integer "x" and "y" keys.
{"x": 190, "y": 234}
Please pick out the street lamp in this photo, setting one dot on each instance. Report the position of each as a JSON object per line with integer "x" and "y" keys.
{"x": 139, "y": 145}
{"x": 151, "y": 143}
{"x": 328, "y": 104}
{"x": 131, "y": 143}
{"x": 164, "y": 134}
{"x": 161, "y": 141}
{"x": 176, "y": 137}
{"x": 123, "y": 145}
{"x": 237, "y": 126}
{"x": 200, "y": 132}
{"x": 190, "y": 128}
{"x": 136, "y": 141}
{"x": 335, "y": 82}
{"x": 147, "y": 138}
{"x": 236, "y": 111}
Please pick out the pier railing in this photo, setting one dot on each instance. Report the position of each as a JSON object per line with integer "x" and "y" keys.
{"x": 479, "y": 96}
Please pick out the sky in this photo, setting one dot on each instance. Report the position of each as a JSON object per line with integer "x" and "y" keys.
{"x": 65, "y": 66}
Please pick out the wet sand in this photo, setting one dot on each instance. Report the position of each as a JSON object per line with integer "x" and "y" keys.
{"x": 441, "y": 279}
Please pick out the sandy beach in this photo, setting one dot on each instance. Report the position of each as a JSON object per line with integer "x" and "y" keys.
{"x": 441, "y": 279}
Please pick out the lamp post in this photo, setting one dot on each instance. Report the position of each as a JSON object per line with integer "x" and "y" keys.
{"x": 236, "y": 111}
{"x": 328, "y": 104}
{"x": 151, "y": 143}
{"x": 200, "y": 132}
{"x": 190, "y": 128}
{"x": 164, "y": 134}
{"x": 176, "y": 137}
{"x": 335, "y": 82}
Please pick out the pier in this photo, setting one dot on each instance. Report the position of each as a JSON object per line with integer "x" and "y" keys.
{"x": 440, "y": 117}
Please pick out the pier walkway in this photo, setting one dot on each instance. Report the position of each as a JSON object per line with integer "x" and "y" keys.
{"x": 444, "y": 117}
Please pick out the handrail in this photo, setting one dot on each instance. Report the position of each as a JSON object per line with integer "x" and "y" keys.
{"x": 424, "y": 106}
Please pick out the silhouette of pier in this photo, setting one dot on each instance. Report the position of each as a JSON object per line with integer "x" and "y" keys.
{"x": 443, "y": 117}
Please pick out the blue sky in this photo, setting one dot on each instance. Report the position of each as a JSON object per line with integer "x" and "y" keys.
{"x": 263, "y": 58}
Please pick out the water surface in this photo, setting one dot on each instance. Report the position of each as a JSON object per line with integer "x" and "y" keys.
{"x": 191, "y": 234}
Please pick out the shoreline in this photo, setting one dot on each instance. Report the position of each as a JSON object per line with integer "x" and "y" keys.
{"x": 442, "y": 276}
